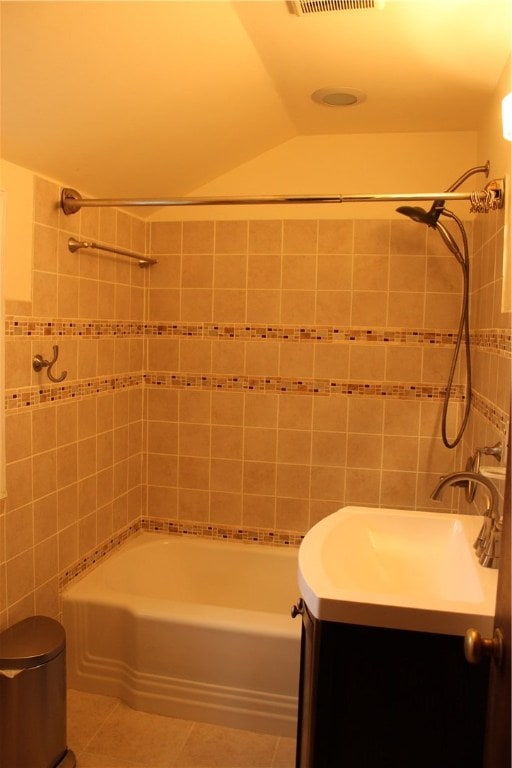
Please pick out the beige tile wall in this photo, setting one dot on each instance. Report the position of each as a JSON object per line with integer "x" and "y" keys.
{"x": 298, "y": 352}
{"x": 491, "y": 344}
{"x": 73, "y": 450}
{"x": 261, "y": 375}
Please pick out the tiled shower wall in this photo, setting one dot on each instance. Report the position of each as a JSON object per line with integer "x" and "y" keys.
{"x": 74, "y": 450}
{"x": 491, "y": 344}
{"x": 262, "y": 374}
{"x": 296, "y": 366}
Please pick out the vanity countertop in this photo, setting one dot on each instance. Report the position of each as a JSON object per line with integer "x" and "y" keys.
{"x": 399, "y": 569}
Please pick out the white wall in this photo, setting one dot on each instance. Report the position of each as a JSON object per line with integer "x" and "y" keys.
{"x": 17, "y": 185}
{"x": 491, "y": 144}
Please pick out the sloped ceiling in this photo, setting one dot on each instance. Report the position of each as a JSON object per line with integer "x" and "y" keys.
{"x": 140, "y": 99}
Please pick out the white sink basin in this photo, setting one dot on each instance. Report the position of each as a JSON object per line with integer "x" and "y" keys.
{"x": 398, "y": 568}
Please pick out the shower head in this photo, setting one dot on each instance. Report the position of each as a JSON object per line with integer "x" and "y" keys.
{"x": 415, "y": 213}
{"x": 422, "y": 216}
{"x": 431, "y": 219}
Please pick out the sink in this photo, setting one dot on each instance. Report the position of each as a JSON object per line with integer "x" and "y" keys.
{"x": 398, "y": 568}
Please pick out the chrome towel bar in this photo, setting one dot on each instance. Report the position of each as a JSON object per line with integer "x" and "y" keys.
{"x": 75, "y": 245}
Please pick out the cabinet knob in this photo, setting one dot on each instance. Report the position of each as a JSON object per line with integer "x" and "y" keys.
{"x": 476, "y": 646}
{"x": 298, "y": 608}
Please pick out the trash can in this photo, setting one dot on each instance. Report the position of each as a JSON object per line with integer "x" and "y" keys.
{"x": 33, "y": 695}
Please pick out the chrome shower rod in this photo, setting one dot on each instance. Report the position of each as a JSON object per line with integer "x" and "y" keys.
{"x": 75, "y": 245}
{"x": 490, "y": 197}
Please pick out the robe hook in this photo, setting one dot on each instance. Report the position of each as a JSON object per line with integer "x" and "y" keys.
{"x": 38, "y": 364}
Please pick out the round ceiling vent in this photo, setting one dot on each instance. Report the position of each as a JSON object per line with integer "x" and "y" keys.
{"x": 338, "y": 97}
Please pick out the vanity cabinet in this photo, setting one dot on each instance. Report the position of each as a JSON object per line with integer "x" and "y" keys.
{"x": 387, "y": 698}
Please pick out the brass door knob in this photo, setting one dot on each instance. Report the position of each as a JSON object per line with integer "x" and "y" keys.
{"x": 476, "y": 646}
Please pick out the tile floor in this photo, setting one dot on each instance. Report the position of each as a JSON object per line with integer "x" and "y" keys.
{"x": 105, "y": 733}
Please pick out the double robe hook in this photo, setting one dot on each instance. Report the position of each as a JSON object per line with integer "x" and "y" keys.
{"x": 38, "y": 364}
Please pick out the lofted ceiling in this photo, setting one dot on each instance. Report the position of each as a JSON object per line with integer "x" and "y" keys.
{"x": 140, "y": 99}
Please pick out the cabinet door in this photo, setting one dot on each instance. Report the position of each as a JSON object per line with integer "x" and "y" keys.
{"x": 497, "y": 751}
{"x": 384, "y": 698}
{"x": 309, "y": 676}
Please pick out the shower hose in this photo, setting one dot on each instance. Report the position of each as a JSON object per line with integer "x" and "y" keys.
{"x": 462, "y": 333}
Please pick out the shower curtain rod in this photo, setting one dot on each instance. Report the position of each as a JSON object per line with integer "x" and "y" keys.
{"x": 490, "y": 197}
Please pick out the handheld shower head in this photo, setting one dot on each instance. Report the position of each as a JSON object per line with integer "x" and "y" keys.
{"x": 431, "y": 219}
{"x": 421, "y": 216}
{"x": 450, "y": 242}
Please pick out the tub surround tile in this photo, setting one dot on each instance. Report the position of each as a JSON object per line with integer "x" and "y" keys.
{"x": 258, "y": 512}
{"x": 20, "y": 577}
{"x": 406, "y": 237}
{"x": 229, "y": 306}
{"x": 191, "y": 504}
{"x": 46, "y": 193}
{"x": 406, "y": 274}
{"x": 227, "y": 442}
{"x": 19, "y": 531}
{"x": 263, "y": 272}
{"x": 18, "y": 436}
{"x": 165, "y": 237}
{"x": 371, "y": 236}
{"x": 231, "y": 237}
{"x": 198, "y": 237}
{"x": 90, "y": 223}
{"x": 256, "y": 332}
{"x": 225, "y": 508}
{"x": 46, "y": 598}
{"x": 265, "y": 237}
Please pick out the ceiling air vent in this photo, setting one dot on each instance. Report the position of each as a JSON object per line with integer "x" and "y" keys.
{"x": 301, "y": 7}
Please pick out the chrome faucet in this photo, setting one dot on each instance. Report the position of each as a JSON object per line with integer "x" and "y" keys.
{"x": 488, "y": 542}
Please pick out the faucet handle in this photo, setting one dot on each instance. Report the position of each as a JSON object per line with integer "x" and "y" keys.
{"x": 491, "y": 555}
{"x": 492, "y": 450}
{"x": 482, "y": 540}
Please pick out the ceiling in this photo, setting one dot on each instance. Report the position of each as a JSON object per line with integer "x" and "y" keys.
{"x": 157, "y": 98}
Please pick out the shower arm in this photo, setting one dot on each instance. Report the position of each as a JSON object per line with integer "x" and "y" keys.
{"x": 477, "y": 169}
{"x": 491, "y": 197}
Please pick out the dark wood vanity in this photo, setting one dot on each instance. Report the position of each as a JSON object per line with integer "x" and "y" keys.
{"x": 387, "y": 698}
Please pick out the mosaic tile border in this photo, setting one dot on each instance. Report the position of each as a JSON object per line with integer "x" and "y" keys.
{"x": 225, "y": 532}
{"x": 40, "y": 396}
{"x": 497, "y": 340}
{"x": 323, "y": 333}
{"x": 494, "y": 340}
{"x": 494, "y": 415}
{"x": 177, "y": 528}
{"x": 33, "y": 396}
{"x": 36, "y": 327}
{"x": 278, "y": 384}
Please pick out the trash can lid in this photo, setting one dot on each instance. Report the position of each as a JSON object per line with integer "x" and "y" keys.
{"x": 31, "y": 642}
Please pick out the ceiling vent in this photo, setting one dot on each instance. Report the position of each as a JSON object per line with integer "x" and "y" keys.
{"x": 302, "y": 7}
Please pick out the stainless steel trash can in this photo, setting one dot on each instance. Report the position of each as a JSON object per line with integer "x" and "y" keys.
{"x": 33, "y": 695}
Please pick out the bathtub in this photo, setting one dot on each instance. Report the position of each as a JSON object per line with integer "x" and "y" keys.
{"x": 189, "y": 627}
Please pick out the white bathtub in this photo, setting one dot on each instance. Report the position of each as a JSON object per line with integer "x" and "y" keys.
{"x": 190, "y": 627}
